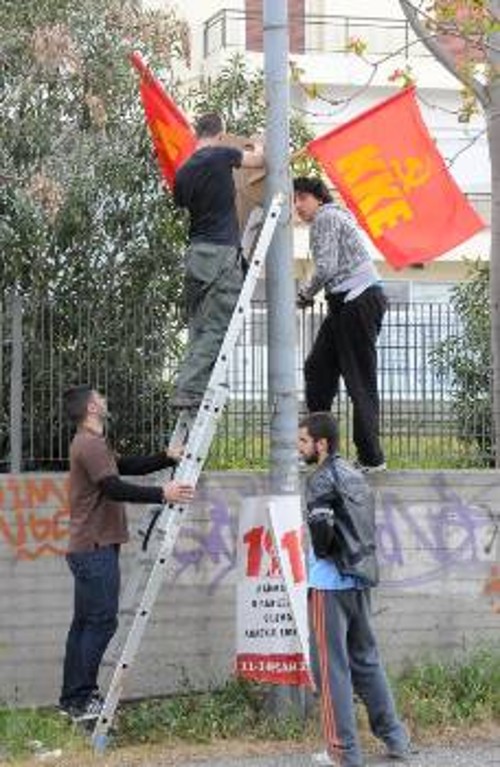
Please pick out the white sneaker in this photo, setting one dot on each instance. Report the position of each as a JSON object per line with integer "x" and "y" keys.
{"x": 323, "y": 759}
{"x": 91, "y": 711}
{"x": 370, "y": 469}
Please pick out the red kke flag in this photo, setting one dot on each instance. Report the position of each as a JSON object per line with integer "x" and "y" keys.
{"x": 389, "y": 172}
{"x": 172, "y": 135}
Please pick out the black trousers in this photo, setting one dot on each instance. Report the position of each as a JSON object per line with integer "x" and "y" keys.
{"x": 346, "y": 346}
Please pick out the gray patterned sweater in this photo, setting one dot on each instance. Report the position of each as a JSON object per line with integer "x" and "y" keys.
{"x": 342, "y": 261}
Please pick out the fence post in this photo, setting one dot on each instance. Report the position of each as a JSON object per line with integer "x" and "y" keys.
{"x": 16, "y": 385}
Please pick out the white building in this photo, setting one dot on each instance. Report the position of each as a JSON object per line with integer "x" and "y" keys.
{"x": 320, "y": 32}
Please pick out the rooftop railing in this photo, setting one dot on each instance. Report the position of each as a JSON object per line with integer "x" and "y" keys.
{"x": 322, "y": 33}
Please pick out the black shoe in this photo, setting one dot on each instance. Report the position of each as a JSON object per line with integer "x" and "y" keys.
{"x": 402, "y": 754}
{"x": 88, "y": 712}
{"x": 186, "y": 401}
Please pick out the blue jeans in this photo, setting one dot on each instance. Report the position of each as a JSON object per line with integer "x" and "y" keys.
{"x": 95, "y": 619}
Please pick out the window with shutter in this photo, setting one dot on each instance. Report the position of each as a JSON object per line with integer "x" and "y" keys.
{"x": 254, "y": 33}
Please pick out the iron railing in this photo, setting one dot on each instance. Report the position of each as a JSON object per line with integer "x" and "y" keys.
{"x": 131, "y": 355}
{"x": 322, "y": 33}
{"x": 481, "y": 201}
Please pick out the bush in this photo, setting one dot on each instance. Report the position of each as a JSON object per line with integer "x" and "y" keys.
{"x": 463, "y": 360}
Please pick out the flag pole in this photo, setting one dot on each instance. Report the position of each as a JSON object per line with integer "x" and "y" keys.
{"x": 138, "y": 62}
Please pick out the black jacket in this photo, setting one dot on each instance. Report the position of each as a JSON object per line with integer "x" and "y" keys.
{"x": 341, "y": 519}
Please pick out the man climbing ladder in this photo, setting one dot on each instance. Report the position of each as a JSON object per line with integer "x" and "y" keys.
{"x": 214, "y": 267}
{"x": 188, "y": 472}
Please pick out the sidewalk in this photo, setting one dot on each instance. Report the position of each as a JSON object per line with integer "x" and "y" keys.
{"x": 487, "y": 755}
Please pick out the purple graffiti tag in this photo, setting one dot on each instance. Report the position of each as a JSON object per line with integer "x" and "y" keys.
{"x": 218, "y": 546}
{"x": 389, "y": 546}
{"x": 455, "y": 513}
{"x": 447, "y": 534}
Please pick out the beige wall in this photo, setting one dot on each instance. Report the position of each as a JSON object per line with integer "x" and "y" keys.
{"x": 439, "y": 596}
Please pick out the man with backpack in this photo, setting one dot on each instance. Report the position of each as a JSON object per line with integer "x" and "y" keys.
{"x": 342, "y": 570}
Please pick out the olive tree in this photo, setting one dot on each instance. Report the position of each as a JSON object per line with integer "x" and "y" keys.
{"x": 464, "y": 36}
{"x": 88, "y": 237}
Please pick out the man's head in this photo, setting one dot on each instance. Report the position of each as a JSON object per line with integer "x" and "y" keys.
{"x": 209, "y": 127}
{"x": 83, "y": 404}
{"x": 310, "y": 193}
{"x": 318, "y": 437}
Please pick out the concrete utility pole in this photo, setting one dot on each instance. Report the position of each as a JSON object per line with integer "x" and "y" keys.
{"x": 280, "y": 287}
{"x": 280, "y": 281}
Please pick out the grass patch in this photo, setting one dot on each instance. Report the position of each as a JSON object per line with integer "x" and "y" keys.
{"x": 236, "y": 709}
{"x": 252, "y": 452}
{"x": 430, "y": 453}
{"x": 439, "y": 695}
{"x": 431, "y": 698}
{"x": 28, "y": 731}
{"x": 242, "y": 442}
{"x": 244, "y": 453}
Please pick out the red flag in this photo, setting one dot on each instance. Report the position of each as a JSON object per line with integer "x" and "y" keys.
{"x": 173, "y": 137}
{"x": 389, "y": 172}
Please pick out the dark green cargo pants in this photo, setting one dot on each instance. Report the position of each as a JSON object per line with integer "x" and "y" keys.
{"x": 213, "y": 282}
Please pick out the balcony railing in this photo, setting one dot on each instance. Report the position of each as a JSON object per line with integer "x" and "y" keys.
{"x": 481, "y": 201}
{"x": 227, "y": 30}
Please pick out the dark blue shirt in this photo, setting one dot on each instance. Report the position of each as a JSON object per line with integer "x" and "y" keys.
{"x": 204, "y": 185}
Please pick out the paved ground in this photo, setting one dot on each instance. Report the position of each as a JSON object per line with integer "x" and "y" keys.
{"x": 462, "y": 756}
{"x": 480, "y": 753}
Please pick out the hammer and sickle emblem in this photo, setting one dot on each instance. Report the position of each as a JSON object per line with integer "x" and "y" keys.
{"x": 411, "y": 172}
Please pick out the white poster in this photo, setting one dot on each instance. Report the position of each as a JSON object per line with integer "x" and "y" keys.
{"x": 272, "y": 629}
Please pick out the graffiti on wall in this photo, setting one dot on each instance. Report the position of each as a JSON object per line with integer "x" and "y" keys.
{"x": 491, "y": 587}
{"x": 34, "y": 522}
{"x": 34, "y": 515}
{"x": 417, "y": 542}
{"x": 216, "y": 547}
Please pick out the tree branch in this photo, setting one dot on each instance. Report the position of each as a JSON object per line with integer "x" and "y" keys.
{"x": 411, "y": 14}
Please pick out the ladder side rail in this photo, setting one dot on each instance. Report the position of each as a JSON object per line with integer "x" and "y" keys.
{"x": 164, "y": 565}
{"x": 185, "y": 472}
{"x": 189, "y": 470}
{"x": 240, "y": 313}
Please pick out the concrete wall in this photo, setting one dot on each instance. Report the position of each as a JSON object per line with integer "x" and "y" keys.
{"x": 440, "y": 595}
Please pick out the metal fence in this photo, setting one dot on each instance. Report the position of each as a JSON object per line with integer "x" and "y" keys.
{"x": 322, "y": 33}
{"x": 131, "y": 354}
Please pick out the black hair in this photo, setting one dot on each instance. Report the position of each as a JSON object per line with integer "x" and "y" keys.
{"x": 312, "y": 185}
{"x": 209, "y": 125}
{"x": 322, "y": 426}
{"x": 76, "y": 399}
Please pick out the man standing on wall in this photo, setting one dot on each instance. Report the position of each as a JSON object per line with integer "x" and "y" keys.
{"x": 214, "y": 268}
{"x": 98, "y": 528}
{"x": 346, "y": 341}
{"x": 342, "y": 569}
